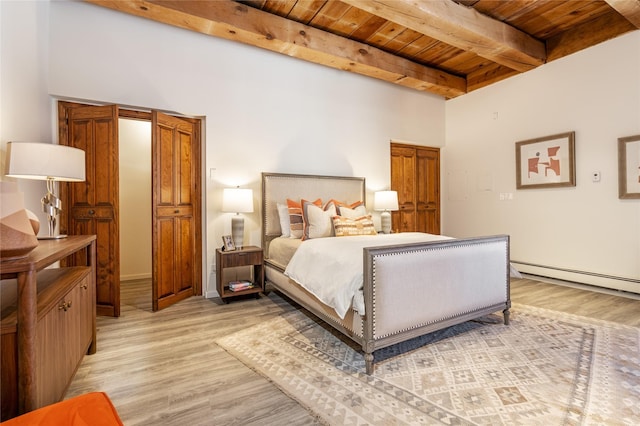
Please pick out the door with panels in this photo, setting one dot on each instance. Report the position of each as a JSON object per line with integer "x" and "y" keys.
{"x": 415, "y": 175}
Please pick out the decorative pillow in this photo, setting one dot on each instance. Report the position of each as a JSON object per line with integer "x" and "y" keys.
{"x": 346, "y": 227}
{"x": 352, "y": 211}
{"x": 296, "y": 222}
{"x": 285, "y": 223}
{"x": 317, "y": 222}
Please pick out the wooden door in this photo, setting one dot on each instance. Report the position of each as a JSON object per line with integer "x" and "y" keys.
{"x": 428, "y": 190}
{"x": 91, "y": 207}
{"x": 403, "y": 171}
{"x": 415, "y": 174}
{"x": 176, "y": 265}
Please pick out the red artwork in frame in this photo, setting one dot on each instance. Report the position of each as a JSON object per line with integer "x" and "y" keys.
{"x": 546, "y": 162}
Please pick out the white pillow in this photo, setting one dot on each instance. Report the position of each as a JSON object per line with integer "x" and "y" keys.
{"x": 350, "y": 213}
{"x": 318, "y": 223}
{"x": 285, "y": 223}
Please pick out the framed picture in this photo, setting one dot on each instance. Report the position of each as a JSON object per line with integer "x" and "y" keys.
{"x": 546, "y": 162}
{"x": 629, "y": 167}
{"x": 228, "y": 243}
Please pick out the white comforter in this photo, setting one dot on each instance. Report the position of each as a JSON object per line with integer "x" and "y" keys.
{"x": 331, "y": 268}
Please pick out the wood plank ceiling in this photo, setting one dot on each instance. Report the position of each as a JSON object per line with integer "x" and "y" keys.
{"x": 444, "y": 47}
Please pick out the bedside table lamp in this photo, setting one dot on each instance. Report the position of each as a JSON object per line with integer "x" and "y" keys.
{"x": 385, "y": 201}
{"x": 50, "y": 162}
{"x": 237, "y": 200}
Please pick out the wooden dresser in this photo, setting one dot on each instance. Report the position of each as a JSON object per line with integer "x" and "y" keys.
{"x": 48, "y": 324}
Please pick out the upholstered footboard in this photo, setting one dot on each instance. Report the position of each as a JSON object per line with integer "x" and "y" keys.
{"x": 415, "y": 289}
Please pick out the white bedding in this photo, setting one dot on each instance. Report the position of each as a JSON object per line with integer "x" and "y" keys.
{"x": 331, "y": 268}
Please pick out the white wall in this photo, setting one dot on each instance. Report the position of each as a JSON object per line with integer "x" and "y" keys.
{"x": 134, "y": 138}
{"x": 263, "y": 111}
{"x": 25, "y": 106}
{"x": 595, "y": 93}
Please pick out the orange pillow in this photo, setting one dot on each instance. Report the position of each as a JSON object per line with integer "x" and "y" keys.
{"x": 93, "y": 409}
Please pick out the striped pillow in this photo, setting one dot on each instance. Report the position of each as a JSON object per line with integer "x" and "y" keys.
{"x": 346, "y": 227}
{"x": 296, "y": 222}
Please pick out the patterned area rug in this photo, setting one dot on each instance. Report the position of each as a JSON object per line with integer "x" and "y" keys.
{"x": 546, "y": 368}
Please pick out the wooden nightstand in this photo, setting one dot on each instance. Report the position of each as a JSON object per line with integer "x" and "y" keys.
{"x": 247, "y": 256}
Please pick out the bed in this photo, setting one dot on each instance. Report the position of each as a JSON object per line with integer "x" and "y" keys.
{"x": 409, "y": 285}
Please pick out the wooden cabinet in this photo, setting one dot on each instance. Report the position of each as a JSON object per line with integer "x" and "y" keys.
{"x": 248, "y": 256}
{"x": 415, "y": 174}
{"x": 49, "y": 326}
{"x": 64, "y": 330}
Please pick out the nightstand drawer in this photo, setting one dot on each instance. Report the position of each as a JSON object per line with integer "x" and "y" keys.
{"x": 241, "y": 258}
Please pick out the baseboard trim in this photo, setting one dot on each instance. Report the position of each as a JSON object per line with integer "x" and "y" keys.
{"x": 625, "y": 284}
{"x": 581, "y": 286}
{"x": 135, "y": 277}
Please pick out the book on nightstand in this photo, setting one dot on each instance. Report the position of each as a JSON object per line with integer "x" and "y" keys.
{"x": 240, "y": 285}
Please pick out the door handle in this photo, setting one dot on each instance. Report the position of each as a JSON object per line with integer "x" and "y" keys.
{"x": 64, "y": 306}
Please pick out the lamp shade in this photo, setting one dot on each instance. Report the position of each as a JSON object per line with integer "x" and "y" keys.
{"x": 45, "y": 161}
{"x": 385, "y": 200}
{"x": 237, "y": 200}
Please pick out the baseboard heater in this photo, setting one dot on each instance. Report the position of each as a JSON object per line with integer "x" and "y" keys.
{"x": 583, "y": 277}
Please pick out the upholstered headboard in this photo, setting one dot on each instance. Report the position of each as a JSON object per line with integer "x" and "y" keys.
{"x": 277, "y": 187}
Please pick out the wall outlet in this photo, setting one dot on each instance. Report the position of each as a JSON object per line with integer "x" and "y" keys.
{"x": 595, "y": 176}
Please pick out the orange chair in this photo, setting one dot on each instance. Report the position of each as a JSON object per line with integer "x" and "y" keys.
{"x": 533, "y": 165}
{"x": 91, "y": 409}
{"x": 553, "y": 165}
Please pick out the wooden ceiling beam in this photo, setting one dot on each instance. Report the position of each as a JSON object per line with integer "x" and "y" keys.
{"x": 588, "y": 34}
{"x": 630, "y": 9}
{"x": 487, "y": 76}
{"x": 462, "y": 27}
{"x": 235, "y": 21}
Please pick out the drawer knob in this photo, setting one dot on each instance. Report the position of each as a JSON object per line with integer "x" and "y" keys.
{"x": 92, "y": 212}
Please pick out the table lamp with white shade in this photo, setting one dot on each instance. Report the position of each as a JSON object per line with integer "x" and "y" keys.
{"x": 385, "y": 201}
{"x": 237, "y": 200}
{"x": 49, "y": 162}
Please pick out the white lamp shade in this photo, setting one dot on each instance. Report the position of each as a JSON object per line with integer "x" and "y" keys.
{"x": 237, "y": 200}
{"x": 385, "y": 200}
{"x": 42, "y": 161}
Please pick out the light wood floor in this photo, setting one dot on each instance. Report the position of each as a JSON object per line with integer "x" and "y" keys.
{"x": 164, "y": 368}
